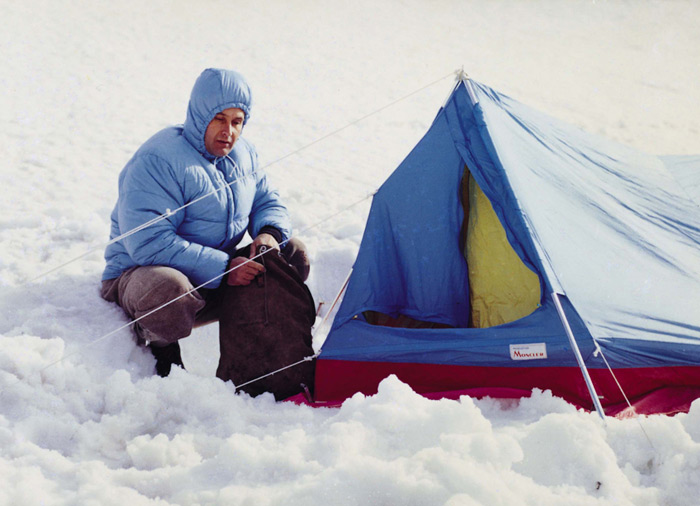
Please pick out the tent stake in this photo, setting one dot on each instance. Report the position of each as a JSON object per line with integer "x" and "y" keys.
{"x": 577, "y": 353}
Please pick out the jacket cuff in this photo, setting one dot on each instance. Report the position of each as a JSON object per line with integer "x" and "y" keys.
{"x": 274, "y": 232}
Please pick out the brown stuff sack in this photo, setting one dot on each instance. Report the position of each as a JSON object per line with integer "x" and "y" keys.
{"x": 265, "y": 326}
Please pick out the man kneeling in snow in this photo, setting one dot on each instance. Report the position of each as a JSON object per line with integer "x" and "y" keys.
{"x": 186, "y": 199}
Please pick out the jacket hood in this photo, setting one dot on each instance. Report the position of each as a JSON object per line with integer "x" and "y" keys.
{"x": 214, "y": 91}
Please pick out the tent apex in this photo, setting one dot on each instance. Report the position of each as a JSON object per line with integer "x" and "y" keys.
{"x": 461, "y": 75}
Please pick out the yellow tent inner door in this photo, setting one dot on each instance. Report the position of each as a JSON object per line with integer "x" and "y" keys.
{"x": 502, "y": 288}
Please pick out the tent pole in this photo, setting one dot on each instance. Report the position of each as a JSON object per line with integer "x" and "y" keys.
{"x": 470, "y": 90}
{"x": 335, "y": 301}
{"x": 577, "y": 353}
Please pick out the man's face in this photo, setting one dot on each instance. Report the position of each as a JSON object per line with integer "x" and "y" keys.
{"x": 223, "y": 131}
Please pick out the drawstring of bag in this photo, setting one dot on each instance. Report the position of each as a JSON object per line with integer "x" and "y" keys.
{"x": 262, "y": 281}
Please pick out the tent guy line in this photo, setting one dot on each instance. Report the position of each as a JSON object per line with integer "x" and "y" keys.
{"x": 633, "y": 410}
{"x": 170, "y": 212}
{"x": 130, "y": 323}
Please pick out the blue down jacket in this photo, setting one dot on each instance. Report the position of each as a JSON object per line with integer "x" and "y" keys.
{"x": 172, "y": 169}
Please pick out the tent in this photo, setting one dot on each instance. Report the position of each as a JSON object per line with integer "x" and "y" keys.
{"x": 511, "y": 251}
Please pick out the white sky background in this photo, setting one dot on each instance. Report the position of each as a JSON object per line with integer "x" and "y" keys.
{"x": 85, "y": 83}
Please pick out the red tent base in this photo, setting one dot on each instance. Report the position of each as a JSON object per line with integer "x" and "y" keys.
{"x": 664, "y": 390}
{"x": 665, "y": 401}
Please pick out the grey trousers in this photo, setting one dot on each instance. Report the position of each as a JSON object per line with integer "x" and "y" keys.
{"x": 164, "y": 301}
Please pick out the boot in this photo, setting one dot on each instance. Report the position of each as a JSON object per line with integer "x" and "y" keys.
{"x": 166, "y": 356}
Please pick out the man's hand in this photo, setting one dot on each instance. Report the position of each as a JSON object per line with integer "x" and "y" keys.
{"x": 263, "y": 240}
{"x": 244, "y": 273}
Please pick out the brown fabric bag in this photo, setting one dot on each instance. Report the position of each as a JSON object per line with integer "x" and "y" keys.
{"x": 265, "y": 326}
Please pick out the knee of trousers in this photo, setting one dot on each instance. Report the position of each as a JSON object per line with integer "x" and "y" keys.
{"x": 297, "y": 255}
{"x": 165, "y": 301}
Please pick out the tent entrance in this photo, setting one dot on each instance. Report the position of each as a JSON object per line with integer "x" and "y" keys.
{"x": 502, "y": 288}
{"x": 400, "y": 321}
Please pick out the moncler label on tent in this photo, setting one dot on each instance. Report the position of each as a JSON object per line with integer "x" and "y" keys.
{"x": 532, "y": 351}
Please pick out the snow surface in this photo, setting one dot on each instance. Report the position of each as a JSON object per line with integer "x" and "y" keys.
{"x": 82, "y": 419}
